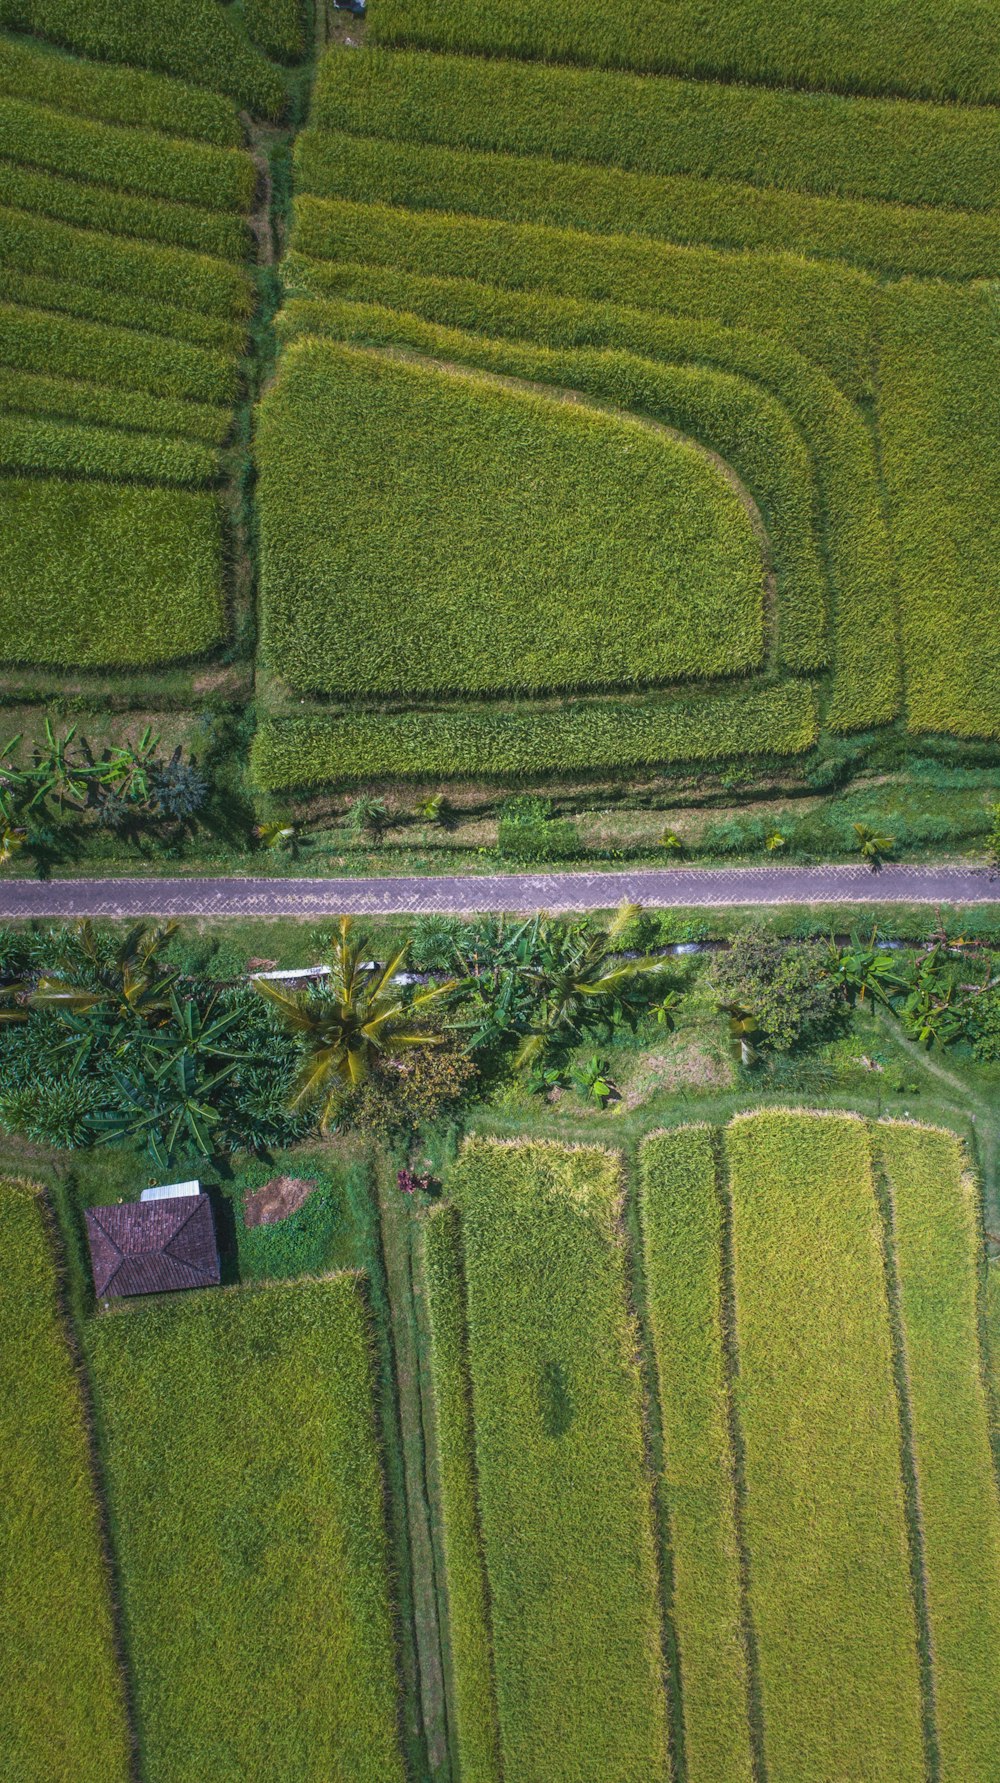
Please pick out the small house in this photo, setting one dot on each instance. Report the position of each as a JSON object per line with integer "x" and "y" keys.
{"x": 154, "y": 1246}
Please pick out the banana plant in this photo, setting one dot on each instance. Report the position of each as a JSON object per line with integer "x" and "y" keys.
{"x": 60, "y": 771}
{"x": 774, "y": 842}
{"x": 594, "y": 1082}
{"x": 131, "y": 984}
{"x": 743, "y": 1028}
{"x": 126, "y": 771}
{"x": 673, "y": 844}
{"x": 865, "y": 970}
{"x": 276, "y": 836}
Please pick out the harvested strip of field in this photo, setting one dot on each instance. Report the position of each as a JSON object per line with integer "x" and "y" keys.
{"x": 824, "y": 1516}
{"x": 473, "y": 1695}
{"x": 247, "y": 1502}
{"x": 516, "y": 741}
{"x": 62, "y": 1712}
{"x": 682, "y": 1244}
{"x": 938, "y": 1247}
{"x": 563, "y": 1494}
{"x": 528, "y": 543}
{"x": 101, "y": 574}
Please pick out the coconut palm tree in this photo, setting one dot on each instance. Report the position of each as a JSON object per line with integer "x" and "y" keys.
{"x": 871, "y": 846}
{"x": 357, "y": 1017}
{"x": 131, "y": 982}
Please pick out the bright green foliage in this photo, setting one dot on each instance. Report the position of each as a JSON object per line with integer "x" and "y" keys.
{"x": 851, "y": 523}
{"x": 937, "y": 49}
{"x": 62, "y": 1713}
{"x": 477, "y": 1734}
{"x": 97, "y": 573}
{"x": 118, "y": 95}
{"x": 276, "y": 27}
{"x": 191, "y": 38}
{"x": 30, "y": 443}
{"x": 34, "y": 340}
{"x": 513, "y": 742}
{"x": 137, "y": 269}
{"x": 941, "y": 453}
{"x": 563, "y": 1495}
{"x": 531, "y": 576}
{"x": 824, "y": 1514}
{"x": 129, "y": 160}
{"x": 804, "y": 142}
{"x": 32, "y": 393}
{"x": 682, "y": 1246}
{"x": 98, "y": 207}
{"x": 881, "y": 237}
{"x": 824, "y": 311}
{"x": 938, "y": 1246}
{"x": 247, "y": 1499}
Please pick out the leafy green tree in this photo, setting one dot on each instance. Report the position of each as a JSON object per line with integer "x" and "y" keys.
{"x": 350, "y": 1022}
{"x": 787, "y": 991}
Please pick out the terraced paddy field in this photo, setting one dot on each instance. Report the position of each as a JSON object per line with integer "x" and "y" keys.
{"x": 826, "y": 1566}
{"x": 797, "y": 281}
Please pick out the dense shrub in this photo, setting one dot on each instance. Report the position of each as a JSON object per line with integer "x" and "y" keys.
{"x": 785, "y": 987}
{"x": 569, "y": 547}
{"x": 94, "y": 573}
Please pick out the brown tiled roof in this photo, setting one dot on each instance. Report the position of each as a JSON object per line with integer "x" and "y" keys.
{"x": 148, "y": 1247}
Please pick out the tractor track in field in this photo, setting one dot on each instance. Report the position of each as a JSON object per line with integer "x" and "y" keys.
{"x": 469, "y": 894}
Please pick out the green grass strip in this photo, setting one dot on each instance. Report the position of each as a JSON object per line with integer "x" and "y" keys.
{"x": 889, "y": 239}
{"x": 931, "y": 49}
{"x": 247, "y": 1500}
{"x": 564, "y": 1497}
{"x": 938, "y": 1244}
{"x": 123, "y": 310}
{"x": 474, "y": 1700}
{"x": 33, "y": 443}
{"x": 516, "y": 742}
{"x": 32, "y": 393}
{"x": 33, "y": 340}
{"x": 62, "y": 1712}
{"x": 122, "y": 213}
{"x": 54, "y": 250}
{"x": 118, "y": 95}
{"x": 682, "y": 1244}
{"x": 939, "y": 350}
{"x": 825, "y": 1517}
{"x": 129, "y": 160}
{"x": 97, "y": 575}
{"x": 816, "y": 143}
{"x": 824, "y": 311}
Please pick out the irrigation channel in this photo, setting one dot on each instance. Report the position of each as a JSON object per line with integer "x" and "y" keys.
{"x": 659, "y": 888}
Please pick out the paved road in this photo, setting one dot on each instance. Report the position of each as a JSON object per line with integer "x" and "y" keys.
{"x": 659, "y": 888}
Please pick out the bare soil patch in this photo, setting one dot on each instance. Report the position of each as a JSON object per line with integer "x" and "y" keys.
{"x": 279, "y": 1198}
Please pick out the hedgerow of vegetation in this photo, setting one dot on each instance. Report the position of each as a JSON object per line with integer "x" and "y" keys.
{"x": 563, "y": 1496}
{"x": 253, "y": 1412}
{"x": 195, "y": 39}
{"x": 937, "y": 49}
{"x": 937, "y": 1244}
{"x": 62, "y": 1710}
{"x": 101, "y": 573}
{"x": 824, "y": 1512}
{"x": 681, "y": 1217}
{"x": 477, "y": 1734}
{"x": 570, "y": 547}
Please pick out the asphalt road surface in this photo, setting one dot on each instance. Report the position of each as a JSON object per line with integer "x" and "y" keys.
{"x": 660, "y": 888}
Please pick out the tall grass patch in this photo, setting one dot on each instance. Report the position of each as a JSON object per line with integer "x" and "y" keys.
{"x": 247, "y": 1500}
{"x": 938, "y": 1246}
{"x": 489, "y": 538}
{"x": 563, "y": 1493}
{"x": 62, "y": 1711}
{"x": 682, "y": 1236}
{"x": 824, "y": 1515}
{"x": 469, "y": 1640}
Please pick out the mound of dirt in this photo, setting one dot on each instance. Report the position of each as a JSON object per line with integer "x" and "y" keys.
{"x": 282, "y": 1196}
